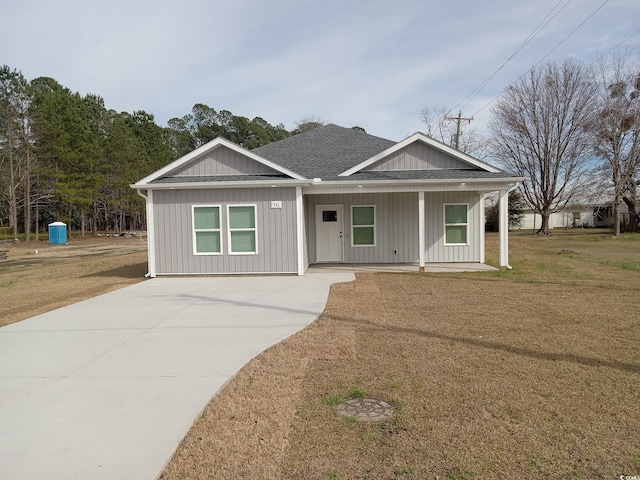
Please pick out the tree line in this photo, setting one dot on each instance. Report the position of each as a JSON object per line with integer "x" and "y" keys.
{"x": 571, "y": 130}
{"x": 66, "y": 157}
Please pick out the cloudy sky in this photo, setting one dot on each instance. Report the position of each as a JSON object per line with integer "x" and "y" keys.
{"x": 372, "y": 63}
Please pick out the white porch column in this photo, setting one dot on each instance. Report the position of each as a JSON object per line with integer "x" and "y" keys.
{"x": 421, "y": 222}
{"x": 481, "y": 227}
{"x": 151, "y": 236}
{"x": 504, "y": 229}
{"x": 300, "y": 230}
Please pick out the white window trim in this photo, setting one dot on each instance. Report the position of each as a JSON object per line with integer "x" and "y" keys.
{"x": 254, "y": 229}
{"x": 444, "y": 218}
{"x": 193, "y": 228}
{"x": 375, "y": 237}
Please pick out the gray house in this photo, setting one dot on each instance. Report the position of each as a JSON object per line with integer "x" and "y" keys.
{"x": 332, "y": 194}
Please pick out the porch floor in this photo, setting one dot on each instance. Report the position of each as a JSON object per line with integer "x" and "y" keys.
{"x": 401, "y": 267}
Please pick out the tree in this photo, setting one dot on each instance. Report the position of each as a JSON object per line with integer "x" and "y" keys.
{"x": 438, "y": 127}
{"x": 616, "y": 129}
{"x": 308, "y": 123}
{"x": 15, "y": 144}
{"x": 539, "y": 130}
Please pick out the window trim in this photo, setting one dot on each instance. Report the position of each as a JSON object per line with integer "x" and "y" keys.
{"x": 254, "y": 229}
{"x": 466, "y": 224}
{"x": 356, "y": 226}
{"x": 194, "y": 230}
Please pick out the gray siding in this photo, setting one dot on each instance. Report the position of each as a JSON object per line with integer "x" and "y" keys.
{"x": 276, "y": 237}
{"x": 222, "y": 161}
{"x": 436, "y": 250}
{"x": 396, "y": 226}
{"x": 418, "y": 156}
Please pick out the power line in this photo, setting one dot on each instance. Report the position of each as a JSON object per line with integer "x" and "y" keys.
{"x": 550, "y": 52}
{"x": 570, "y": 34}
{"x": 541, "y": 26}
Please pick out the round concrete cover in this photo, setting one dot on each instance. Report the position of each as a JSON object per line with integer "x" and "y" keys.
{"x": 365, "y": 409}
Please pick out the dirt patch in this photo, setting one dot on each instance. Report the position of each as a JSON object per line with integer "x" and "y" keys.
{"x": 37, "y": 277}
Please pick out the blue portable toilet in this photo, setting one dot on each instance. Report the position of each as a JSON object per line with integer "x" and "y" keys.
{"x": 57, "y": 233}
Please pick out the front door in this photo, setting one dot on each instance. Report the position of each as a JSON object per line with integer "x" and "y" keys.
{"x": 329, "y": 233}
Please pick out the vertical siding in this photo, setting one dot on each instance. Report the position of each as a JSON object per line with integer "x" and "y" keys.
{"x": 396, "y": 226}
{"x": 222, "y": 161}
{"x": 276, "y": 237}
{"x": 436, "y": 250}
{"x": 419, "y": 156}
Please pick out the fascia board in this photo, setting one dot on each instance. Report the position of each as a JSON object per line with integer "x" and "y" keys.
{"x": 210, "y": 146}
{"x": 505, "y": 180}
{"x": 421, "y": 137}
{"x": 235, "y": 184}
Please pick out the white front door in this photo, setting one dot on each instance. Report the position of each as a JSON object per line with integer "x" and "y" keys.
{"x": 329, "y": 230}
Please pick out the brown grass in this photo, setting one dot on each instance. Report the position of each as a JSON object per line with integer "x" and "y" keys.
{"x": 33, "y": 283}
{"x": 532, "y": 373}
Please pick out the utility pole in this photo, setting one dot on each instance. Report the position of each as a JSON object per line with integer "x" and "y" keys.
{"x": 459, "y": 118}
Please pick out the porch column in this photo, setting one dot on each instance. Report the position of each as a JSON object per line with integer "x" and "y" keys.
{"x": 504, "y": 229}
{"x": 151, "y": 235}
{"x": 300, "y": 231}
{"x": 421, "y": 240}
{"x": 481, "y": 227}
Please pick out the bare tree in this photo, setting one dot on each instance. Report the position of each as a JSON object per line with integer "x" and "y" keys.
{"x": 438, "y": 127}
{"x": 617, "y": 132}
{"x": 309, "y": 123}
{"x": 540, "y": 132}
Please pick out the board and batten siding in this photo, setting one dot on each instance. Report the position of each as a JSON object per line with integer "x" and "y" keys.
{"x": 222, "y": 161}
{"x": 436, "y": 250}
{"x": 396, "y": 226}
{"x": 276, "y": 231}
{"x": 418, "y": 156}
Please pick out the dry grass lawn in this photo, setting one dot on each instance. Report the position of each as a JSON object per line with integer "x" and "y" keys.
{"x": 532, "y": 373}
{"x": 57, "y": 275}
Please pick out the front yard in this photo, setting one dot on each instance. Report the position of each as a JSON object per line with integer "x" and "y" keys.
{"x": 531, "y": 373}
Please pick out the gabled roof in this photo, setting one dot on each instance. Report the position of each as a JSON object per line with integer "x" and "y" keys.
{"x": 421, "y": 137}
{"x": 324, "y": 152}
{"x": 208, "y": 147}
{"x": 331, "y": 153}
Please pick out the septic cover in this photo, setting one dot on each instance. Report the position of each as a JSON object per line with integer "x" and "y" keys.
{"x": 365, "y": 409}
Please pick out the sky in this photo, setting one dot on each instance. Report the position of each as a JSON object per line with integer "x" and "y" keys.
{"x": 371, "y": 63}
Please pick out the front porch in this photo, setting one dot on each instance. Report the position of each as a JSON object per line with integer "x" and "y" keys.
{"x": 400, "y": 267}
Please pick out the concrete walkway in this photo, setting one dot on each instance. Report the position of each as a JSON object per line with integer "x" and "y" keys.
{"x": 108, "y": 387}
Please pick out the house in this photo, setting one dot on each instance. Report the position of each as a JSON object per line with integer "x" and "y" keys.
{"x": 584, "y": 211}
{"x": 332, "y": 194}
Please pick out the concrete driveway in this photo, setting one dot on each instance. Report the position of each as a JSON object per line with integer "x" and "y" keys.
{"x": 108, "y": 387}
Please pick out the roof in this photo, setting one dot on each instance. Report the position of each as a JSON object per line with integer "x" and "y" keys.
{"x": 330, "y": 153}
{"x": 324, "y": 152}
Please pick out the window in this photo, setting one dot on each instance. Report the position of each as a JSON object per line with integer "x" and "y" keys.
{"x": 242, "y": 229}
{"x": 206, "y": 230}
{"x": 363, "y": 225}
{"x": 455, "y": 224}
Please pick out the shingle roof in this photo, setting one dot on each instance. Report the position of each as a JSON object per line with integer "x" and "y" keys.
{"x": 324, "y": 152}
{"x": 448, "y": 174}
{"x": 221, "y": 178}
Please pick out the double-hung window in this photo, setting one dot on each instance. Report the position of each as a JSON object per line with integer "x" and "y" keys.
{"x": 363, "y": 225}
{"x": 456, "y": 223}
{"x": 206, "y": 230}
{"x": 242, "y": 229}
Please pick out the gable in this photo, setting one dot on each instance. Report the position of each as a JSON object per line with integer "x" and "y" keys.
{"x": 418, "y": 156}
{"x": 436, "y": 156}
{"x": 222, "y": 161}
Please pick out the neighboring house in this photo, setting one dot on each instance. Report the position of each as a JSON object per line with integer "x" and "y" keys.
{"x": 589, "y": 211}
{"x": 332, "y": 194}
